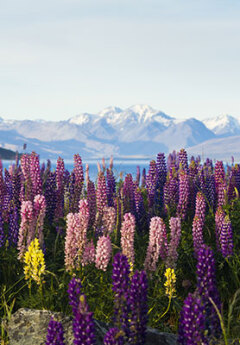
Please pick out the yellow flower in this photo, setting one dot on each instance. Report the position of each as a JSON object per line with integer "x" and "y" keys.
{"x": 170, "y": 282}
{"x": 34, "y": 263}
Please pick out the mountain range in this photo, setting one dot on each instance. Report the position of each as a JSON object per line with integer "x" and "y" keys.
{"x": 138, "y": 131}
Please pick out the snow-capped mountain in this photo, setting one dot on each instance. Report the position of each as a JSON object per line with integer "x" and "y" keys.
{"x": 223, "y": 125}
{"x": 138, "y": 130}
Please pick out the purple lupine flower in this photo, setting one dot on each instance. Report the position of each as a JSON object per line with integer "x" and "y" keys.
{"x": 183, "y": 160}
{"x": 74, "y": 291}
{"x": 157, "y": 245}
{"x": 128, "y": 195}
{"x": 232, "y": 184}
{"x": 140, "y": 209}
{"x": 60, "y": 172}
{"x": 193, "y": 176}
{"x": 113, "y": 337}
{"x": 26, "y": 181}
{"x": 91, "y": 199}
{"x": 79, "y": 180}
{"x": 13, "y": 227}
{"x": 143, "y": 181}
{"x": 183, "y": 194}
{"x": 16, "y": 187}
{"x": 138, "y": 308}
{"x": 101, "y": 193}
{"x": 192, "y": 322}
{"x": 161, "y": 169}
{"x": 226, "y": 238}
{"x": 55, "y": 333}
{"x": 120, "y": 281}
{"x": 1, "y": 185}
{"x": 2, "y": 236}
{"x": 127, "y": 236}
{"x": 151, "y": 182}
{"x": 35, "y": 174}
{"x": 83, "y": 324}
{"x": 103, "y": 252}
{"x": 50, "y": 196}
{"x": 210, "y": 189}
{"x": 170, "y": 190}
{"x": 8, "y": 196}
{"x": 175, "y": 227}
{"x": 207, "y": 287}
{"x": 111, "y": 187}
{"x": 138, "y": 174}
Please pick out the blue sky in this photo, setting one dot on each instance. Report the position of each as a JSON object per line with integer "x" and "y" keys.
{"x": 62, "y": 57}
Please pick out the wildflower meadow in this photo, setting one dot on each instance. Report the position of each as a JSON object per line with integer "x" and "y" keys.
{"x": 160, "y": 249}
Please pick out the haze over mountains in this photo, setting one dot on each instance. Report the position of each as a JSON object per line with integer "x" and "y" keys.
{"x": 138, "y": 131}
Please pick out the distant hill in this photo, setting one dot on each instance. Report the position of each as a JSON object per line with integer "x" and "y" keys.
{"x": 7, "y": 154}
{"x": 139, "y": 131}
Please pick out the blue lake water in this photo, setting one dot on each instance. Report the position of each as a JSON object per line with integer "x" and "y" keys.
{"x": 119, "y": 166}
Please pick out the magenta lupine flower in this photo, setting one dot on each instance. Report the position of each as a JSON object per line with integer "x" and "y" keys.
{"x": 157, "y": 245}
{"x": 198, "y": 221}
{"x": 27, "y": 219}
{"x": 128, "y": 195}
{"x": 55, "y": 333}
{"x": 39, "y": 206}
{"x": 193, "y": 177}
{"x": 175, "y": 227}
{"x": 192, "y": 322}
{"x": 91, "y": 199}
{"x": 113, "y": 337}
{"x": 183, "y": 160}
{"x": 79, "y": 180}
{"x": 220, "y": 182}
{"x": 101, "y": 193}
{"x": 60, "y": 171}
{"x": 109, "y": 220}
{"x": 103, "y": 252}
{"x": 127, "y": 236}
{"x": 226, "y": 238}
{"x": 89, "y": 253}
{"x": 35, "y": 174}
{"x": 183, "y": 194}
{"x": 137, "y": 180}
{"x": 219, "y": 219}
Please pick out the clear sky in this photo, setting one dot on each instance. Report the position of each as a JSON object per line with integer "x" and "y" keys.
{"x": 59, "y": 58}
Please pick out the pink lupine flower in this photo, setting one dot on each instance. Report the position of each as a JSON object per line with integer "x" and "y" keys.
{"x": 109, "y": 220}
{"x": 27, "y": 218}
{"x": 175, "y": 227}
{"x": 89, "y": 253}
{"x": 35, "y": 174}
{"x": 127, "y": 236}
{"x": 84, "y": 213}
{"x": 101, "y": 193}
{"x": 157, "y": 245}
{"x": 103, "y": 252}
{"x": 79, "y": 179}
{"x": 70, "y": 241}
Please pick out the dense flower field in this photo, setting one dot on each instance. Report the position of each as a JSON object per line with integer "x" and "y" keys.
{"x": 161, "y": 249}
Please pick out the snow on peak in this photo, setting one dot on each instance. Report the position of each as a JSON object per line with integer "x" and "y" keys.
{"x": 110, "y": 111}
{"x": 80, "y": 119}
{"x": 223, "y": 124}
